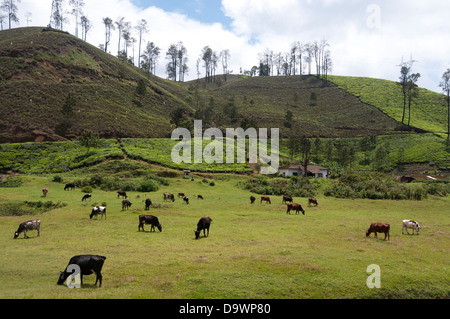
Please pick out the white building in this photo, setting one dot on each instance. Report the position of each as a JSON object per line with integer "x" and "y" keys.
{"x": 315, "y": 171}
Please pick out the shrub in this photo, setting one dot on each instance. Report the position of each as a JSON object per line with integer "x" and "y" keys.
{"x": 11, "y": 181}
{"x": 86, "y": 189}
{"x": 57, "y": 179}
{"x": 148, "y": 186}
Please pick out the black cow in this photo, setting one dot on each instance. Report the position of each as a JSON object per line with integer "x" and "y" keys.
{"x": 126, "y": 204}
{"x": 148, "y": 203}
{"x": 34, "y": 224}
{"x": 287, "y": 198}
{"x": 252, "y": 199}
{"x": 203, "y": 224}
{"x": 122, "y": 193}
{"x": 149, "y": 220}
{"x": 69, "y": 186}
{"x": 199, "y": 197}
{"x": 89, "y": 264}
{"x": 85, "y": 197}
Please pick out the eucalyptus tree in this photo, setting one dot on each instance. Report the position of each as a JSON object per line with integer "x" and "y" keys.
{"x": 142, "y": 29}
{"x": 445, "y": 85}
{"x": 109, "y": 25}
{"x": 10, "y": 8}
{"x": 77, "y": 11}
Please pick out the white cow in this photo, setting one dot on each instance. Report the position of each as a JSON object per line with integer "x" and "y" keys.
{"x": 411, "y": 224}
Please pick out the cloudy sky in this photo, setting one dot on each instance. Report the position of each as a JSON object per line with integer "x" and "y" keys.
{"x": 366, "y": 37}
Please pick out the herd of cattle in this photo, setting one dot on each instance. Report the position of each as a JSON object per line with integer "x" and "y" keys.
{"x": 92, "y": 264}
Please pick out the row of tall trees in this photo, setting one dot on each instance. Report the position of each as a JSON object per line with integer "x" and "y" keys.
{"x": 302, "y": 58}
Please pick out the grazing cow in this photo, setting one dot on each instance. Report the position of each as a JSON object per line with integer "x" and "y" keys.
{"x": 186, "y": 199}
{"x": 98, "y": 210}
{"x": 180, "y": 195}
{"x": 85, "y": 197}
{"x": 44, "y": 192}
{"x": 126, "y": 204}
{"x": 411, "y": 224}
{"x": 379, "y": 228}
{"x": 203, "y": 224}
{"x": 122, "y": 193}
{"x": 169, "y": 196}
{"x": 265, "y": 199}
{"x": 297, "y": 207}
{"x": 199, "y": 197}
{"x": 34, "y": 224}
{"x": 69, "y": 186}
{"x": 89, "y": 264}
{"x": 287, "y": 198}
{"x": 148, "y": 203}
{"x": 149, "y": 220}
{"x": 252, "y": 199}
{"x": 312, "y": 201}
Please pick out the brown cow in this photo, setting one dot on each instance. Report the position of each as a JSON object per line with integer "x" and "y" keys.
{"x": 312, "y": 201}
{"x": 252, "y": 199}
{"x": 180, "y": 195}
{"x": 265, "y": 199}
{"x": 297, "y": 207}
{"x": 44, "y": 192}
{"x": 169, "y": 196}
{"x": 379, "y": 228}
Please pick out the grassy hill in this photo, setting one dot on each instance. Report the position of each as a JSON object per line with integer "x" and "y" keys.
{"x": 318, "y": 108}
{"x": 42, "y": 71}
{"x": 40, "y": 68}
{"x": 428, "y": 111}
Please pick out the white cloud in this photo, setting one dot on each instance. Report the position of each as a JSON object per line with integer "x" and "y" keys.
{"x": 406, "y": 27}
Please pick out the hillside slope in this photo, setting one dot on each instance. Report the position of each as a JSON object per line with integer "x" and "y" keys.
{"x": 40, "y": 68}
{"x": 302, "y": 104}
{"x": 428, "y": 110}
{"x": 54, "y": 86}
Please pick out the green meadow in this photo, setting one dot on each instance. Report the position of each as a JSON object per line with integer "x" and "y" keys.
{"x": 253, "y": 250}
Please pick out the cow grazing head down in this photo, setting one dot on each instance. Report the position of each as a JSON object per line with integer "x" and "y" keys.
{"x": 203, "y": 224}
{"x": 89, "y": 264}
{"x": 379, "y": 228}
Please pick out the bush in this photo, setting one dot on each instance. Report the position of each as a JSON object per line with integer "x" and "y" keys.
{"x": 297, "y": 186}
{"x": 57, "y": 179}
{"x": 87, "y": 189}
{"x": 148, "y": 186}
{"x": 11, "y": 182}
{"x": 381, "y": 186}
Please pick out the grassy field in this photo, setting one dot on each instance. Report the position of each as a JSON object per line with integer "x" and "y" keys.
{"x": 58, "y": 157}
{"x": 253, "y": 251}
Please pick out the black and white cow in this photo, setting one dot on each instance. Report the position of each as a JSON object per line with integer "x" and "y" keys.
{"x": 34, "y": 224}
{"x": 89, "y": 264}
{"x": 85, "y": 197}
{"x": 149, "y": 220}
{"x": 97, "y": 210}
{"x": 407, "y": 223}
{"x": 186, "y": 199}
